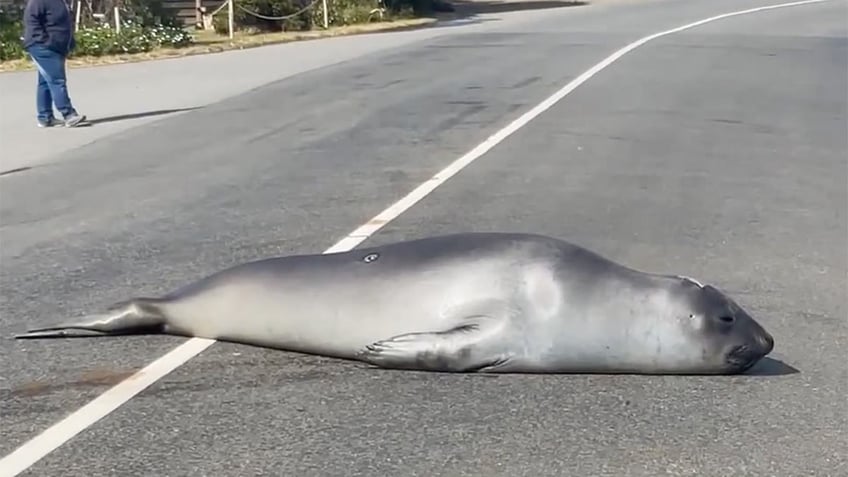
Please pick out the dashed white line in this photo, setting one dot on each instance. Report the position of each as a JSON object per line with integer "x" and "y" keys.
{"x": 39, "y": 446}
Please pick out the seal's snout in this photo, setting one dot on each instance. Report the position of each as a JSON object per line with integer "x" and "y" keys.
{"x": 762, "y": 342}
{"x": 757, "y": 345}
{"x": 766, "y": 342}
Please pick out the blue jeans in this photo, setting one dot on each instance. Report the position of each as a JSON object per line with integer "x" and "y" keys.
{"x": 52, "y": 84}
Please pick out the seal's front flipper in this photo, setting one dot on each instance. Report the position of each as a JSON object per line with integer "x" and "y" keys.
{"x": 465, "y": 348}
{"x": 140, "y": 315}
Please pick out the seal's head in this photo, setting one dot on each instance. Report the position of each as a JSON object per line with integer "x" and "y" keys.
{"x": 731, "y": 339}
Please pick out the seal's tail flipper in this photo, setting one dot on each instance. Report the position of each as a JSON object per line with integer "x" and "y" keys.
{"x": 135, "y": 316}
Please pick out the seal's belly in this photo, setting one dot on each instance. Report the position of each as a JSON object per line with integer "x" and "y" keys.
{"x": 337, "y": 317}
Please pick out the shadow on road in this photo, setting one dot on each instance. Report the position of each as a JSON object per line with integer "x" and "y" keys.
{"x": 124, "y": 117}
{"x": 476, "y": 7}
{"x": 17, "y": 169}
{"x": 467, "y": 11}
{"x": 771, "y": 367}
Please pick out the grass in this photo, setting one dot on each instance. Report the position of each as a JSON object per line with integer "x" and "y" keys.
{"x": 210, "y": 42}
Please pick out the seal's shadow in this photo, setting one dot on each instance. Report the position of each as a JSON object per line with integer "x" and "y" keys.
{"x": 771, "y": 367}
{"x": 766, "y": 367}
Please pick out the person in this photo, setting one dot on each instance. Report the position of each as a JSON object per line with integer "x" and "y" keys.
{"x": 49, "y": 39}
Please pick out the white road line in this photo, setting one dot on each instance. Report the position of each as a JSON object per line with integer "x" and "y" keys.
{"x": 41, "y": 445}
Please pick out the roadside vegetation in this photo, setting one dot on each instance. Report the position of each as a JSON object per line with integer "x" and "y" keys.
{"x": 149, "y": 30}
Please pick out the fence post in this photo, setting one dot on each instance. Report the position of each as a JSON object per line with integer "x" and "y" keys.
{"x": 326, "y": 25}
{"x": 230, "y": 17}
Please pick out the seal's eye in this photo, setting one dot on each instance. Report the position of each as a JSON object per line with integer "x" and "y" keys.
{"x": 370, "y": 257}
{"x": 726, "y": 319}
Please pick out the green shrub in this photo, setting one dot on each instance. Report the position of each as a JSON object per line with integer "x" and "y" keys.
{"x": 145, "y": 26}
{"x": 105, "y": 40}
{"x": 148, "y": 13}
{"x": 170, "y": 36}
{"x": 11, "y": 30}
{"x": 348, "y": 12}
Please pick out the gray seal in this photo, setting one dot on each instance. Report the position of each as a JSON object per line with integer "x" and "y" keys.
{"x": 484, "y": 302}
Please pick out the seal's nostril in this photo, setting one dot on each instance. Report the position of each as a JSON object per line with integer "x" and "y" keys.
{"x": 766, "y": 341}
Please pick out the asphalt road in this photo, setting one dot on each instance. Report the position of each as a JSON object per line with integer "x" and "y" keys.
{"x": 718, "y": 153}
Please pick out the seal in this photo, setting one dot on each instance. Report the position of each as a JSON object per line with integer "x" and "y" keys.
{"x": 467, "y": 302}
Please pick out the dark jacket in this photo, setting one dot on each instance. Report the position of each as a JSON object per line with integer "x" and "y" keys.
{"x": 48, "y": 23}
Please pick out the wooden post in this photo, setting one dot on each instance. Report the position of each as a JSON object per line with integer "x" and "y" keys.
{"x": 326, "y": 23}
{"x": 77, "y": 19}
{"x": 230, "y": 17}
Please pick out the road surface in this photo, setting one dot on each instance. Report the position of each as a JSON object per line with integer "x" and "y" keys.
{"x": 718, "y": 152}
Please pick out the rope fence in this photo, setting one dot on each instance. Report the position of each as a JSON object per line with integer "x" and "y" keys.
{"x": 231, "y": 5}
{"x": 285, "y": 17}
{"x": 220, "y": 7}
